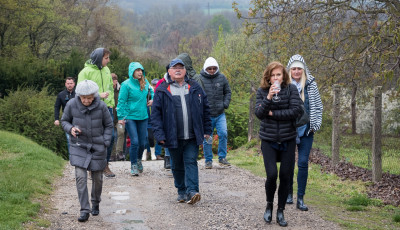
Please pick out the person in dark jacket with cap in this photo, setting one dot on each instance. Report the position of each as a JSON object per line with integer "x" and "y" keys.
{"x": 88, "y": 121}
{"x": 181, "y": 120}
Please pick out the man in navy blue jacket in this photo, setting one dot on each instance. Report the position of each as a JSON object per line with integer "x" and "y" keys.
{"x": 181, "y": 120}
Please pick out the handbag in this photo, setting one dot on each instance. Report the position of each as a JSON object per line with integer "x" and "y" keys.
{"x": 303, "y": 118}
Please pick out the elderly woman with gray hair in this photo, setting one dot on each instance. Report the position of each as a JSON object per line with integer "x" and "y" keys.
{"x": 88, "y": 120}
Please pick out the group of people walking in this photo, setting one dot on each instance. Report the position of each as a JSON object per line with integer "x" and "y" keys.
{"x": 185, "y": 109}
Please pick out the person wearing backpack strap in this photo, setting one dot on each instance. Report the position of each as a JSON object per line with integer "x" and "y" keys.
{"x": 307, "y": 87}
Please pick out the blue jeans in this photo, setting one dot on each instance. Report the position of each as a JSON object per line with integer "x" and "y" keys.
{"x": 158, "y": 150}
{"x": 137, "y": 130}
{"x": 304, "y": 149}
{"x": 220, "y": 124}
{"x": 184, "y": 166}
{"x": 109, "y": 148}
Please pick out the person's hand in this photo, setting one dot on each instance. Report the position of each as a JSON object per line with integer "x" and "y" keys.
{"x": 270, "y": 113}
{"x": 74, "y": 131}
{"x": 272, "y": 91}
{"x": 104, "y": 95}
{"x": 122, "y": 122}
{"x": 206, "y": 136}
{"x": 57, "y": 122}
{"x": 150, "y": 102}
{"x": 162, "y": 142}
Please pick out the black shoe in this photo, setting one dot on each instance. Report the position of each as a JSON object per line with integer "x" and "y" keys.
{"x": 289, "y": 199}
{"x": 84, "y": 217}
{"x": 95, "y": 210}
{"x": 300, "y": 205}
{"x": 280, "y": 218}
{"x": 268, "y": 213}
{"x": 167, "y": 162}
{"x": 182, "y": 198}
{"x": 194, "y": 198}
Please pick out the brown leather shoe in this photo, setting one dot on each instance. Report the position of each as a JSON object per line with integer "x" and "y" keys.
{"x": 107, "y": 172}
{"x": 158, "y": 157}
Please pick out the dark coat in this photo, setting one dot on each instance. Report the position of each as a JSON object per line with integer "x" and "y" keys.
{"x": 163, "y": 117}
{"x": 96, "y": 128}
{"x": 280, "y": 126}
{"x": 62, "y": 98}
{"x": 217, "y": 89}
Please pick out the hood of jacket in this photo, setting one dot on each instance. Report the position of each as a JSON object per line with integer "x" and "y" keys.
{"x": 134, "y": 66}
{"x": 96, "y": 58}
{"x": 210, "y": 62}
{"x": 298, "y": 57}
{"x": 188, "y": 64}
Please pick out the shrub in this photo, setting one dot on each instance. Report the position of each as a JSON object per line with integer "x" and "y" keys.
{"x": 30, "y": 113}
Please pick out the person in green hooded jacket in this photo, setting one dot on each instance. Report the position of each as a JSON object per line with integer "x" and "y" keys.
{"x": 134, "y": 97}
{"x": 96, "y": 70}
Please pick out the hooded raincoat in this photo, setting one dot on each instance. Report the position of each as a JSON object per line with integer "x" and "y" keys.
{"x": 132, "y": 101}
{"x": 95, "y": 71}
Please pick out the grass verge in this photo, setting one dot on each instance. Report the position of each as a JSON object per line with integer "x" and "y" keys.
{"x": 342, "y": 202}
{"x": 28, "y": 171}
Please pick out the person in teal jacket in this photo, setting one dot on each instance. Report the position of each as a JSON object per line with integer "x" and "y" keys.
{"x": 96, "y": 70}
{"x": 134, "y": 97}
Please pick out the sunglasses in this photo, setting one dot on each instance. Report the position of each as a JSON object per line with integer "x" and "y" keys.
{"x": 211, "y": 68}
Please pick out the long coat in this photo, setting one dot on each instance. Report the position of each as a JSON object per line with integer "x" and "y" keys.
{"x": 96, "y": 127}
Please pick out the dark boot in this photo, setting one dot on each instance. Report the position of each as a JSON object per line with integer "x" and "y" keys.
{"x": 167, "y": 162}
{"x": 268, "y": 212}
{"x": 120, "y": 156}
{"x": 280, "y": 218}
{"x": 300, "y": 204}
{"x": 289, "y": 199}
{"x": 95, "y": 210}
{"x": 84, "y": 217}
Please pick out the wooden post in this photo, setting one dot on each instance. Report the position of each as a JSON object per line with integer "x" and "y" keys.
{"x": 377, "y": 136}
{"x": 335, "y": 125}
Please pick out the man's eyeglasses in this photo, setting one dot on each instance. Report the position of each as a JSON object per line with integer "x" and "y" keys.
{"x": 212, "y": 68}
{"x": 177, "y": 67}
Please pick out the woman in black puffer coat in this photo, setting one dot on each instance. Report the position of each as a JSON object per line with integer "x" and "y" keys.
{"x": 277, "y": 133}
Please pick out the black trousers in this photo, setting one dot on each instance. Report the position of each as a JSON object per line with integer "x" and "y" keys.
{"x": 272, "y": 152}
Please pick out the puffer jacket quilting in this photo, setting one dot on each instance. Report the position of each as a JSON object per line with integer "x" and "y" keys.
{"x": 280, "y": 127}
{"x": 96, "y": 126}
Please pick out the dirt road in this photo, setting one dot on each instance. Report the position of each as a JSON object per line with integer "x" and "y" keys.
{"x": 231, "y": 198}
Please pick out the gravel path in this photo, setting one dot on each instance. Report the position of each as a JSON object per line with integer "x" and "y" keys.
{"x": 231, "y": 198}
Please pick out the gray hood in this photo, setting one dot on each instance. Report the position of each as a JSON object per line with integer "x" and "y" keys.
{"x": 96, "y": 58}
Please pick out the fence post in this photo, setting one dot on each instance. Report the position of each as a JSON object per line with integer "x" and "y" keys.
{"x": 335, "y": 125}
{"x": 377, "y": 136}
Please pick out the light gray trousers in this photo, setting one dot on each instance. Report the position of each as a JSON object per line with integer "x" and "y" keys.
{"x": 81, "y": 186}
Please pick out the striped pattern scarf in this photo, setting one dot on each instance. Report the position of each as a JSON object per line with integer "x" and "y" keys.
{"x": 314, "y": 97}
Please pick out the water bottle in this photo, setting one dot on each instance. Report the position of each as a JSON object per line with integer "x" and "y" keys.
{"x": 209, "y": 140}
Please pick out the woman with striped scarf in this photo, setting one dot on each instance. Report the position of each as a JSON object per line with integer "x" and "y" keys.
{"x": 308, "y": 90}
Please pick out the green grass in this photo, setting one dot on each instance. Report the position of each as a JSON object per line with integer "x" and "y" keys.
{"x": 357, "y": 150}
{"x": 342, "y": 202}
{"x": 28, "y": 171}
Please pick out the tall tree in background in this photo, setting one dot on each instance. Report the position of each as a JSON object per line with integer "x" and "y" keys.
{"x": 352, "y": 43}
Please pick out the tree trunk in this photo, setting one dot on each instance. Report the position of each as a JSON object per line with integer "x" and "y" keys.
{"x": 251, "y": 112}
{"x": 353, "y": 109}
